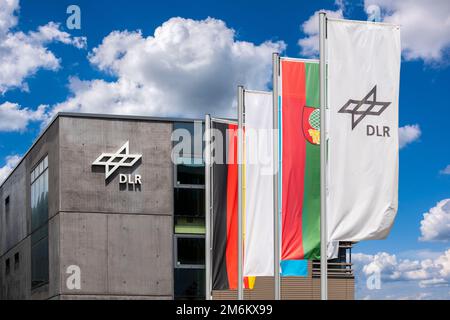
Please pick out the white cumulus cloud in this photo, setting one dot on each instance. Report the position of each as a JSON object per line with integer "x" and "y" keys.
{"x": 310, "y": 43}
{"x": 418, "y": 273}
{"x": 15, "y": 118}
{"x": 408, "y": 134}
{"x": 23, "y": 54}
{"x": 11, "y": 162}
{"x": 425, "y": 26}
{"x": 187, "y": 67}
{"x": 435, "y": 225}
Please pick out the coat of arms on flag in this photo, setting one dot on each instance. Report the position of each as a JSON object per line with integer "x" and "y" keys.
{"x": 311, "y": 124}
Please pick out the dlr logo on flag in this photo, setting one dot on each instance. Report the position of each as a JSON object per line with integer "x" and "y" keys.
{"x": 378, "y": 131}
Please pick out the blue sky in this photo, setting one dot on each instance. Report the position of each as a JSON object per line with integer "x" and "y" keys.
{"x": 90, "y": 77}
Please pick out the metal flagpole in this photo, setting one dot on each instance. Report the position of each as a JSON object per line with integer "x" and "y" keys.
{"x": 240, "y": 202}
{"x": 208, "y": 226}
{"x": 323, "y": 159}
{"x": 276, "y": 216}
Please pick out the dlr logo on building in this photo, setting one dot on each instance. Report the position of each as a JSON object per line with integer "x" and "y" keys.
{"x": 130, "y": 179}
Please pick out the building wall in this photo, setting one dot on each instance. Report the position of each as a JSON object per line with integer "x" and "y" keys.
{"x": 121, "y": 238}
{"x": 15, "y": 228}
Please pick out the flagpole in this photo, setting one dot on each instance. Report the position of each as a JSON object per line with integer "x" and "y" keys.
{"x": 276, "y": 216}
{"x": 240, "y": 172}
{"x": 323, "y": 159}
{"x": 208, "y": 247}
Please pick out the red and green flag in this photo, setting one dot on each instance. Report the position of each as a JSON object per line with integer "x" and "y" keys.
{"x": 299, "y": 165}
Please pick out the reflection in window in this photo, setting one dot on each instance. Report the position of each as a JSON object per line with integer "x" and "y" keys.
{"x": 39, "y": 224}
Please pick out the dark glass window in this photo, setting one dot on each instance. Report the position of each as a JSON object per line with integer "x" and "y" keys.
{"x": 39, "y": 262}
{"x": 189, "y": 212}
{"x": 189, "y": 202}
{"x": 190, "y": 251}
{"x": 7, "y": 267}
{"x": 190, "y": 284}
{"x": 7, "y": 208}
{"x": 16, "y": 261}
{"x": 190, "y": 266}
{"x": 39, "y": 195}
{"x": 39, "y": 225}
{"x": 190, "y": 172}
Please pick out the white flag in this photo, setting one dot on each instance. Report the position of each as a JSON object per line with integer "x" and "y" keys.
{"x": 363, "y": 88}
{"x": 258, "y": 242}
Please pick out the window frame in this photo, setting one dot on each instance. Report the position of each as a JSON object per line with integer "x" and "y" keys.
{"x": 175, "y": 172}
{"x": 40, "y": 232}
{"x": 175, "y": 251}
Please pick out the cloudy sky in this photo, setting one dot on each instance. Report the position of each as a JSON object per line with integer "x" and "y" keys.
{"x": 186, "y": 58}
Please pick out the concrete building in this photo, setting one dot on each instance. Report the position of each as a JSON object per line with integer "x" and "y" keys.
{"x": 97, "y": 209}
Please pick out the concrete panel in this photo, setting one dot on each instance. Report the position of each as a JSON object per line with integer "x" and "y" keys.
{"x": 83, "y": 186}
{"x": 54, "y": 234}
{"x": 84, "y": 243}
{"x": 40, "y": 293}
{"x": 13, "y": 227}
{"x": 17, "y": 284}
{"x": 140, "y": 258}
{"x": 48, "y": 144}
{"x": 16, "y": 226}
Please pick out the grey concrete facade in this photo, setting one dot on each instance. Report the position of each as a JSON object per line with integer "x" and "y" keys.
{"x": 121, "y": 238}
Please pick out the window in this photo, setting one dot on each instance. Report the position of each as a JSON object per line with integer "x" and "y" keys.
{"x": 7, "y": 208}
{"x": 189, "y": 215}
{"x": 190, "y": 251}
{"x": 189, "y": 284}
{"x": 16, "y": 261}
{"x": 190, "y": 172}
{"x": 189, "y": 202}
{"x": 39, "y": 224}
{"x": 340, "y": 261}
{"x": 189, "y": 195}
{"x": 7, "y": 267}
{"x": 341, "y": 266}
{"x": 189, "y": 266}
